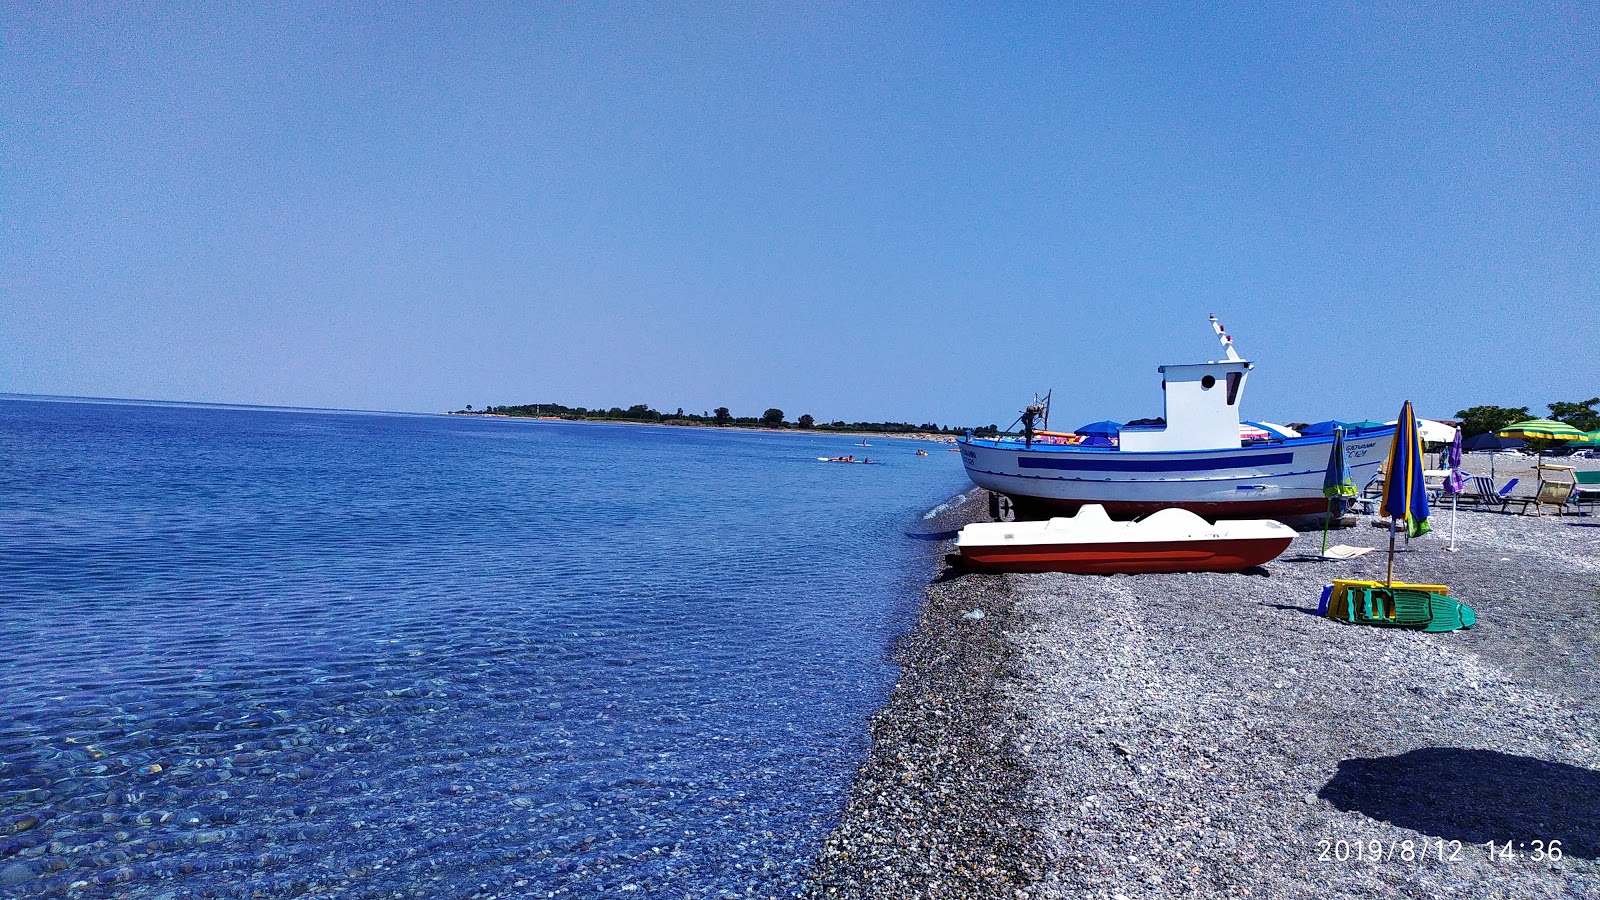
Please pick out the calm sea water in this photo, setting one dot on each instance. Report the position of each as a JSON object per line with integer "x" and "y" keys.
{"x": 263, "y": 653}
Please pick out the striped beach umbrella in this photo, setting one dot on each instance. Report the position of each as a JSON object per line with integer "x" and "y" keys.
{"x": 1540, "y": 430}
{"x": 1591, "y": 439}
{"x": 1543, "y": 432}
{"x": 1405, "y": 496}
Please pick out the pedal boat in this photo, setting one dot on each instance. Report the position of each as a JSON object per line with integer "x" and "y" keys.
{"x": 1090, "y": 543}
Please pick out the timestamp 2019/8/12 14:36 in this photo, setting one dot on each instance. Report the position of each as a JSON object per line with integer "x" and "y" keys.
{"x": 1374, "y": 850}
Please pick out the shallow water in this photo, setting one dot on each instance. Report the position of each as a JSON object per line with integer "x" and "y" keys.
{"x": 253, "y": 652}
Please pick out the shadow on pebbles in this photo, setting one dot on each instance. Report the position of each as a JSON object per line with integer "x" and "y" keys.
{"x": 1201, "y": 735}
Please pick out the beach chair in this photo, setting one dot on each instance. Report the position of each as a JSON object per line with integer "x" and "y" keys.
{"x": 1485, "y": 493}
{"x": 1556, "y": 494}
{"x": 1587, "y": 488}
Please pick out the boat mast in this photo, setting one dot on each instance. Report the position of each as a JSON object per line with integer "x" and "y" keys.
{"x": 1227, "y": 342}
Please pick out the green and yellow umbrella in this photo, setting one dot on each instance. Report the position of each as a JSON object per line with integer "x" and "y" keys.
{"x": 1543, "y": 432}
{"x": 1540, "y": 430}
{"x": 1592, "y": 439}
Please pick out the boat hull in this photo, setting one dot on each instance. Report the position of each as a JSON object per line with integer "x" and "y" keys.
{"x": 1278, "y": 479}
{"x": 1128, "y": 558}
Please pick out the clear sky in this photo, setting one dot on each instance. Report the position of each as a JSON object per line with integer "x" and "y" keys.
{"x": 856, "y": 210}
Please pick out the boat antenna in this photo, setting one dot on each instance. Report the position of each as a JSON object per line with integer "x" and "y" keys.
{"x": 1227, "y": 342}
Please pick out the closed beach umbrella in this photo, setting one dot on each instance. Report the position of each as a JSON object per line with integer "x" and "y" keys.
{"x": 1454, "y": 482}
{"x": 1405, "y": 497}
{"x": 1336, "y": 481}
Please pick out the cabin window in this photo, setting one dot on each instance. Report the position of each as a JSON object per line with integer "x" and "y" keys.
{"x": 1208, "y": 382}
{"x": 1234, "y": 380}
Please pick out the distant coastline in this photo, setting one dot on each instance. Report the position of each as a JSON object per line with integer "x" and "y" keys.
{"x": 771, "y": 420}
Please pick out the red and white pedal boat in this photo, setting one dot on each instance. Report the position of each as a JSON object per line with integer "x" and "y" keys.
{"x": 1090, "y": 543}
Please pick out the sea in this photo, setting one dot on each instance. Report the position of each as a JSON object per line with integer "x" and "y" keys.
{"x": 251, "y": 652}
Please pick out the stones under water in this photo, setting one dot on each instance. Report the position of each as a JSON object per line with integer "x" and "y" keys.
{"x": 263, "y": 652}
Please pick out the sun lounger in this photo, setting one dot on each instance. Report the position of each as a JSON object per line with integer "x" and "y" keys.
{"x": 1556, "y": 494}
{"x": 1486, "y": 494}
{"x": 1588, "y": 488}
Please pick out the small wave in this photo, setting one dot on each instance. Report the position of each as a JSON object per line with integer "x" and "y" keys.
{"x": 950, "y": 504}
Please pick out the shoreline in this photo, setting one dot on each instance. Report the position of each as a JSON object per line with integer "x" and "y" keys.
{"x": 902, "y": 435}
{"x": 1202, "y": 734}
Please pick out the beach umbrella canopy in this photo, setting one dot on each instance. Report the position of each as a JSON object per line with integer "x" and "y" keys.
{"x": 1490, "y": 441}
{"x": 1435, "y": 432}
{"x": 1591, "y": 439}
{"x": 1106, "y": 428}
{"x": 1540, "y": 430}
{"x": 1405, "y": 497}
{"x": 1355, "y": 425}
{"x": 1281, "y": 432}
{"x": 1326, "y": 427}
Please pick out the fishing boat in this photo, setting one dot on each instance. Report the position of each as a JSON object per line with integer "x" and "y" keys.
{"x": 1091, "y": 543}
{"x": 1195, "y": 459}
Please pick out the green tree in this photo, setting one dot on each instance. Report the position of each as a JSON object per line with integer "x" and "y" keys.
{"x": 1482, "y": 419}
{"x": 1582, "y": 416}
{"x": 772, "y": 418}
{"x": 806, "y": 421}
{"x": 721, "y": 416}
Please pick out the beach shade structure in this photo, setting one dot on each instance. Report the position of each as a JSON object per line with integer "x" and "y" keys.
{"x": 1279, "y": 432}
{"x": 1106, "y": 428}
{"x": 1491, "y": 441}
{"x": 1100, "y": 434}
{"x": 1540, "y": 430}
{"x": 1436, "y": 432}
{"x": 1327, "y": 427}
{"x": 1542, "y": 433}
{"x": 1453, "y": 483}
{"x": 1405, "y": 496}
{"x": 1337, "y": 482}
{"x": 1589, "y": 439}
{"x": 1353, "y": 426}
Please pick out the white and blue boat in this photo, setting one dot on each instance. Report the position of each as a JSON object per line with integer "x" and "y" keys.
{"x": 1197, "y": 460}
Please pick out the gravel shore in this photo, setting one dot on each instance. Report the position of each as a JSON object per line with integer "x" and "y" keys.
{"x": 1198, "y": 735}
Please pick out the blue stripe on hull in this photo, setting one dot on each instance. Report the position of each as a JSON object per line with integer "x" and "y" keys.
{"x": 1153, "y": 465}
{"x": 1255, "y": 476}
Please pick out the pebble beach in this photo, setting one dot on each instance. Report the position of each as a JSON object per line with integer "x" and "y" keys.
{"x": 1202, "y": 735}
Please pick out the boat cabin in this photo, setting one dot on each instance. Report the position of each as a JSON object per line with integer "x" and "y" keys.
{"x": 1202, "y": 409}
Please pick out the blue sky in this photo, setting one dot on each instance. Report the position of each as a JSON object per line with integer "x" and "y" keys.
{"x": 920, "y": 212}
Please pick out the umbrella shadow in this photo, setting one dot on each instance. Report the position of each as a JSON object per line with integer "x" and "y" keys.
{"x": 1475, "y": 796}
{"x": 1308, "y": 610}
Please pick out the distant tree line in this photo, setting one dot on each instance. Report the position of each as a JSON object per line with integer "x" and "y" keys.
{"x": 1583, "y": 415}
{"x": 721, "y": 417}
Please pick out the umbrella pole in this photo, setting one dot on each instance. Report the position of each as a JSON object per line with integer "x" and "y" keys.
{"x": 1327, "y": 517}
{"x": 1391, "y": 553}
{"x": 1452, "y": 547}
